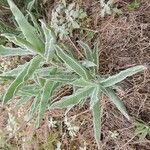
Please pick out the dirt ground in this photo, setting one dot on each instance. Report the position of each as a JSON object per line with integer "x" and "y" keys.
{"x": 125, "y": 42}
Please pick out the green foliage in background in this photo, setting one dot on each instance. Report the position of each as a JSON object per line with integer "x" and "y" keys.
{"x": 33, "y": 81}
{"x": 66, "y": 18}
{"x": 5, "y": 12}
{"x": 134, "y": 5}
{"x": 20, "y": 3}
{"x": 141, "y": 129}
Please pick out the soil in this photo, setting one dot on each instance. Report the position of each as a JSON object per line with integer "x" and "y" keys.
{"x": 125, "y": 42}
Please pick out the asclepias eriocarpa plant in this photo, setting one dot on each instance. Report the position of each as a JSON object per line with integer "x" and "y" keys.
{"x": 33, "y": 81}
{"x": 91, "y": 85}
{"x": 38, "y": 41}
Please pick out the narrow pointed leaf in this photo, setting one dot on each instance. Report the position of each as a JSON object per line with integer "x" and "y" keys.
{"x": 82, "y": 102}
{"x": 8, "y": 51}
{"x": 21, "y": 42}
{"x": 72, "y": 100}
{"x": 23, "y": 100}
{"x": 47, "y": 71}
{"x": 97, "y": 114}
{"x": 87, "y": 50}
{"x": 82, "y": 83}
{"x": 73, "y": 64}
{"x": 143, "y": 134}
{"x": 29, "y": 90}
{"x": 96, "y": 55}
{"x": 95, "y": 97}
{"x": 66, "y": 78}
{"x": 7, "y": 77}
{"x": 31, "y": 4}
{"x": 29, "y": 31}
{"x": 36, "y": 24}
{"x": 122, "y": 75}
{"x": 50, "y": 42}
{"x": 118, "y": 103}
{"x": 38, "y": 80}
{"x": 21, "y": 78}
{"x": 14, "y": 72}
{"x": 46, "y": 96}
{"x": 88, "y": 64}
{"x": 35, "y": 104}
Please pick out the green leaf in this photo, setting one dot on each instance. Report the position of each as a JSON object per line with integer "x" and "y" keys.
{"x": 73, "y": 99}
{"x": 82, "y": 83}
{"x": 87, "y": 50}
{"x": 141, "y": 129}
{"x": 46, "y": 96}
{"x": 36, "y": 24}
{"x": 88, "y": 63}
{"x": 38, "y": 80}
{"x": 8, "y": 51}
{"x": 29, "y": 31}
{"x": 23, "y": 100}
{"x": 89, "y": 36}
{"x": 135, "y": 4}
{"x": 96, "y": 55}
{"x": 66, "y": 78}
{"x": 95, "y": 97}
{"x": 7, "y": 77}
{"x": 29, "y": 90}
{"x": 13, "y": 73}
{"x": 35, "y": 105}
{"x": 97, "y": 114}
{"x": 81, "y": 103}
{"x": 143, "y": 134}
{"x": 20, "y": 42}
{"x": 31, "y": 4}
{"x": 122, "y": 75}
{"x": 21, "y": 78}
{"x": 73, "y": 64}
{"x": 47, "y": 71}
{"x": 118, "y": 103}
{"x": 50, "y": 41}
{"x": 75, "y": 25}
